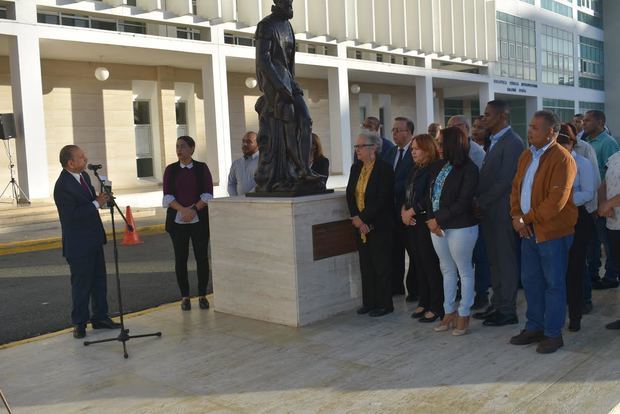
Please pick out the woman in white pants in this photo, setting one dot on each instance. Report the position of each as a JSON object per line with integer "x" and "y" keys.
{"x": 453, "y": 226}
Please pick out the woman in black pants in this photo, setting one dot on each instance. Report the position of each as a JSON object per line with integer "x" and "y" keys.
{"x": 583, "y": 191}
{"x": 188, "y": 187}
{"x": 413, "y": 213}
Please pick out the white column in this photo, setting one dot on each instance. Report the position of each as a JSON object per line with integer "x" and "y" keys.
{"x": 217, "y": 126}
{"x": 485, "y": 94}
{"x": 27, "y": 90}
{"x": 424, "y": 105}
{"x": 532, "y": 104}
{"x": 339, "y": 120}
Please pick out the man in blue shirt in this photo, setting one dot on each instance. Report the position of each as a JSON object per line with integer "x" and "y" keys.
{"x": 605, "y": 146}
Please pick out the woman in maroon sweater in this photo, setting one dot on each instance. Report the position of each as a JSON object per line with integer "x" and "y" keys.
{"x": 188, "y": 187}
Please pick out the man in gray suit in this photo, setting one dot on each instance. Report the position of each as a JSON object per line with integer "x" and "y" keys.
{"x": 493, "y": 201}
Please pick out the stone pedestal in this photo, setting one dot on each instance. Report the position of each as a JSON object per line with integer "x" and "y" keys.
{"x": 263, "y": 259}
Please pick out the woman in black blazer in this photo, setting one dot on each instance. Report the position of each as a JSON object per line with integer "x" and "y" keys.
{"x": 424, "y": 152}
{"x": 450, "y": 218}
{"x": 319, "y": 164}
{"x": 370, "y": 197}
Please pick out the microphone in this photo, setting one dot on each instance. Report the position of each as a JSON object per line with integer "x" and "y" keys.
{"x": 93, "y": 167}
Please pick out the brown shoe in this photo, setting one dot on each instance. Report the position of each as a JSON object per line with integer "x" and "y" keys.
{"x": 527, "y": 337}
{"x": 550, "y": 344}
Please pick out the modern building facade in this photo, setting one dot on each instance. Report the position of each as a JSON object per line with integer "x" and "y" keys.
{"x": 186, "y": 67}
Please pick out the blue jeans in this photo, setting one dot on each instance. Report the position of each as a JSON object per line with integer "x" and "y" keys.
{"x": 482, "y": 269}
{"x": 543, "y": 274}
{"x": 455, "y": 251}
{"x": 594, "y": 255}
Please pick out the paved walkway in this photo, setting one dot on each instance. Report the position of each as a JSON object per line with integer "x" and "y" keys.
{"x": 208, "y": 362}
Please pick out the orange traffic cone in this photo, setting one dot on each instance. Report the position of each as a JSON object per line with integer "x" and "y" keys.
{"x": 131, "y": 237}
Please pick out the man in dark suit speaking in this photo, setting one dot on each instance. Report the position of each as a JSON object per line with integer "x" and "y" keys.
{"x": 83, "y": 238}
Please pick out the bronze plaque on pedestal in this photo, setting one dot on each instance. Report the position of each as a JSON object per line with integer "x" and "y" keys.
{"x": 333, "y": 239}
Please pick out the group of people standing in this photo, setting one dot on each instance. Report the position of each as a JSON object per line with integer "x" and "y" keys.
{"x": 475, "y": 209}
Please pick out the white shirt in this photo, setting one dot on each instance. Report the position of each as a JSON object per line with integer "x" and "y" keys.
{"x": 77, "y": 178}
{"x": 612, "y": 185}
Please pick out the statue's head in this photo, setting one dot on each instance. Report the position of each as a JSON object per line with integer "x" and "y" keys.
{"x": 283, "y": 8}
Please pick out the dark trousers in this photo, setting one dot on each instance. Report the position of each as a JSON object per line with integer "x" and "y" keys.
{"x": 599, "y": 237}
{"x": 376, "y": 269}
{"x": 501, "y": 244}
{"x": 430, "y": 280}
{"x": 576, "y": 263}
{"x": 614, "y": 238}
{"x": 482, "y": 269}
{"x": 88, "y": 284}
{"x": 398, "y": 259}
{"x": 181, "y": 235}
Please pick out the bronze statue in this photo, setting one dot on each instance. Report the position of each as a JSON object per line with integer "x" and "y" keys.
{"x": 285, "y": 126}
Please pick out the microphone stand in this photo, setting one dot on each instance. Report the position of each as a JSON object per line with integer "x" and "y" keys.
{"x": 124, "y": 335}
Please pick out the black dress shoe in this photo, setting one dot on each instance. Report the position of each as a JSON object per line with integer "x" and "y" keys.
{"x": 587, "y": 308}
{"x": 574, "y": 325}
{"x": 412, "y": 297}
{"x": 79, "y": 331}
{"x": 418, "y": 315}
{"x": 203, "y": 303}
{"x": 550, "y": 344}
{"x": 380, "y": 312}
{"x": 364, "y": 310}
{"x": 106, "y": 324}
{"x": 480, "y": 302}
{"x": 484, "y": 314}
{"x": 186, "y": 304}
{"x": 499, "y": 319}
{"x": 426, "y": 319}
{"x": 613, "y": 325}
{"x": 602, "y": 284}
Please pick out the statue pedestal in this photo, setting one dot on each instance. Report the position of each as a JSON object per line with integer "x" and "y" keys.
{"x": 284, "y": 260}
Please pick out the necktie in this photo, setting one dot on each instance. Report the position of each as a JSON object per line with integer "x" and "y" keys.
{"x": 84, "y": 185}
{"x": 400, "y": 158}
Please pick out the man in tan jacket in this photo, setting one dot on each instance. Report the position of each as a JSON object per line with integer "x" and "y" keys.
{"x": 544, "y": 215}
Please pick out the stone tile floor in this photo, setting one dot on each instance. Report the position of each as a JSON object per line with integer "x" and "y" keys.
{"x": 208, "y": 362}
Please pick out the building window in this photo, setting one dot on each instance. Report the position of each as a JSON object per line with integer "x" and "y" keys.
{"x": 132, "y": 27}
{"x": 557, "y": 7}
{"x": 379, "y": 57}
{"x": 74, "y": 20}
{"x": 591, "y": 61}
{"x": 516, "y": 47}
{"x": 358, "y": 54}
{"x": 589, "y": 19}
{"x": 3, "y": 14}
{"x": 103, "y": 24}
{"x": 131, "y": 3}
{"x": 532, "y": 2}
{"x": 452, "y": 107}
{"x": 194, "y": 8}
{"x": 588, "y": 106}
{"x": 557, "y": 56}
{"x": 563, "y": 108}
{"x": 48, "y": 18}
{"x": 189, "y": 33}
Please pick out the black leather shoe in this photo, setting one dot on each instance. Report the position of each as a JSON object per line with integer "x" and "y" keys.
{"x": 527, "y": 337}
{"x": 550, "y": 344}
{"x": 484, "y": 314}
{"x": 412, "y": 297}
{"x": 587, "y": 308}
{"x": 418, "y": 315}
{"x": 203, "y": 303}
{"x": 602, "y": 284}
{"x": 106, "y": 324}
{"x": 380, "y": 312}
{"x": 613, "y": 325}
{"x": 426, "y": 319}
{"x": 499, "y": 319}
{"x": 186, "y": 304}
{"x": 574, "y": 325}
{"x": 480, "y": 302}
{"x": 364, "y": 310}
{"x": 79, "y": 331}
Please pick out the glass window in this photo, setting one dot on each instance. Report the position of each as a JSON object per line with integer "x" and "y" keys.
{"x": 591, "y": 62}
{"x": 132, "y": 27}
{"x": 74, "y": 20}
{"x": 556, "y": 55}
{"x": 141, "y": 113}
{"x": 49, "y": 18}
{"x": 516, "y": 47}
{"x": 557, "y": 7}
{"x": 564, "y": 109}
{"x": 103, "y": 24}
{"x": 181, "y": 112}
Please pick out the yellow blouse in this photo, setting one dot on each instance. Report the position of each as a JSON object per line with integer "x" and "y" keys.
{"x": 360, "y": 189}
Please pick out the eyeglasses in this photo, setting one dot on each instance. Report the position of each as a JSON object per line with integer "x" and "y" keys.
{"x": 360, "y": 146}
{"x": 398, "y": 130}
